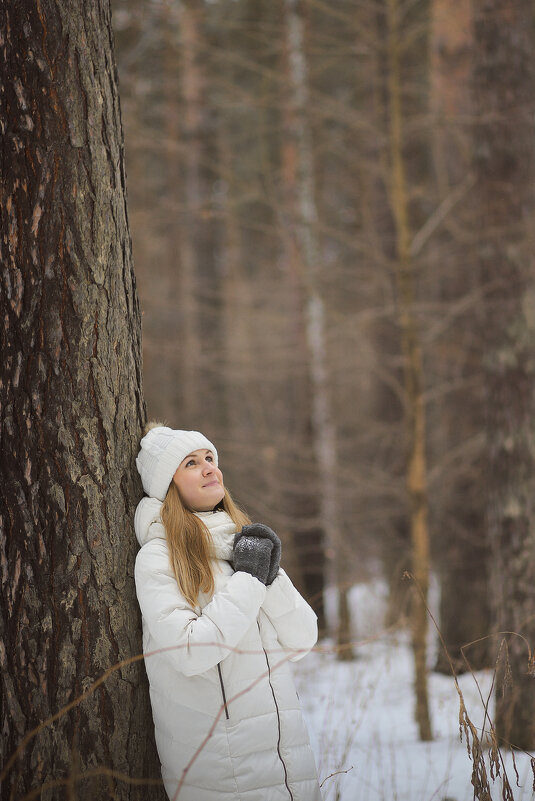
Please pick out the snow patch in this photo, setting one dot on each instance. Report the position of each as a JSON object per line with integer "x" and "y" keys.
{"x": 360, "y": 717}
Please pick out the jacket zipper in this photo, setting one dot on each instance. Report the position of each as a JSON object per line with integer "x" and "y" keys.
{"x": 223, "y": 691}
{"x": 279, "y": 724}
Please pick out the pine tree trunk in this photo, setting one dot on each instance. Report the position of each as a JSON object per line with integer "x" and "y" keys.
{"x": 504, "y": 162}
{"x": 71, "y": 414}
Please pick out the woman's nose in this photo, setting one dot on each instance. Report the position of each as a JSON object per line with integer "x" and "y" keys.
{"x": 208, "y": 467}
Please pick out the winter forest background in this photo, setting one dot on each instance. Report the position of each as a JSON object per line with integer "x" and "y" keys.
{"x": 331, "y": 209}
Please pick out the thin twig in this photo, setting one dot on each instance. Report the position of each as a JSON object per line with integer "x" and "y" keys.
{"x": 336, "y": 773}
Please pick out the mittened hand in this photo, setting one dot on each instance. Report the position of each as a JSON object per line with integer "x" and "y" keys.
{"x": 252, "y": 555}
{"x": 266, "y": 534}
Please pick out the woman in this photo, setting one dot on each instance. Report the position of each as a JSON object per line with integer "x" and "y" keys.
{"x": 220, "y": 622}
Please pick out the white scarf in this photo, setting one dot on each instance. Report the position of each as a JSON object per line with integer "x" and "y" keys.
{"x": 222, "y": 529}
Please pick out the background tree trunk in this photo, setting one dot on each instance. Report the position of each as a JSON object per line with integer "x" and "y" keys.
{"x": 460, "y": 547}
{"x": 302, "y": 497}
{"x": 504, "y": 163}
{"x": 182, "y": 112}
{"x": 323, "y": 426}
{"x": 387, "y": 404}
{"x": 72, "y": 412}
{"x": 414, "y": 382}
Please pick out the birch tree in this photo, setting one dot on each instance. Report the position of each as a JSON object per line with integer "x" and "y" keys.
{"x": 323, "y": 428}
{"x": 71, "y": 414}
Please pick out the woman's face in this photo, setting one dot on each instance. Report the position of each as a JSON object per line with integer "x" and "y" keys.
{"x": 199, "y": 481}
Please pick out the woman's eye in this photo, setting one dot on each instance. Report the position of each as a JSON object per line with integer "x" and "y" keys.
{"x": 191, "y": 461}
{"x": 209, "y": 458}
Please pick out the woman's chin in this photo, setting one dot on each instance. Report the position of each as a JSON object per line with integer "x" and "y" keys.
{"x": 208, "y": 504}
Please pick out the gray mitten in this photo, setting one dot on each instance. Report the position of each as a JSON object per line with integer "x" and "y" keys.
{"x": 265, "y": 533}
{"x": 252, "y": 555}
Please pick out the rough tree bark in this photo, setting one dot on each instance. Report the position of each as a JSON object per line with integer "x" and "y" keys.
{"x": 504, "y": 163}
{"x": 71, "y": 413}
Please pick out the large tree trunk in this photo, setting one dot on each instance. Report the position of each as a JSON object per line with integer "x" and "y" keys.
{"x": 71, "y": 414}
{"x": 504, "y": 162}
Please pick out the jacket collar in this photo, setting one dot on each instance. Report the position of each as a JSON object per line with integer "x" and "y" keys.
{"x": 148, "y": 526}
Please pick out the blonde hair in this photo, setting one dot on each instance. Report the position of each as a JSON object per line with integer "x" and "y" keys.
{"x": 190, "y": 544}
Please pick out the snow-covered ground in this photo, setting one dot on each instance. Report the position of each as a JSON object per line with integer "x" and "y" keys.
{"x": 360, "y": 719}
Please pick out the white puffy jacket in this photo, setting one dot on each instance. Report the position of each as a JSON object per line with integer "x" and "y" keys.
{"x": 227, "y": 719}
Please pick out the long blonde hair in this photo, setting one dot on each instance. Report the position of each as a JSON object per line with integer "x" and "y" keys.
{"x": 190, "y": 544}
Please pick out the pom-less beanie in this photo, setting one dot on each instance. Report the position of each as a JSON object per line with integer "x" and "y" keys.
{"x": 162, "y": 450}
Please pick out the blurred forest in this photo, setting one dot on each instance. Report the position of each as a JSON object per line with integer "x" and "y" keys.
{"x": 331, "y": 207}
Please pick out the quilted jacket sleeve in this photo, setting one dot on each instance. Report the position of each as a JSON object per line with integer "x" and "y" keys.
{"x": 294, "y": 620}
{"x": 196, "y": 641}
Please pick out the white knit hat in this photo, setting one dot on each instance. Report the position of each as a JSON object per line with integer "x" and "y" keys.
{"x": 162, "y": 450}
